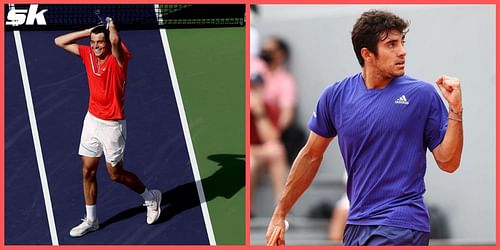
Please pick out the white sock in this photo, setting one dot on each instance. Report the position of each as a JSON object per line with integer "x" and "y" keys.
{"x": 147, "y": 195}
{"x": 91, "y": 212}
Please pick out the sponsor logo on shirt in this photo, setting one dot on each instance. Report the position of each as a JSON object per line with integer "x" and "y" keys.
{"x": 402, "y": 100}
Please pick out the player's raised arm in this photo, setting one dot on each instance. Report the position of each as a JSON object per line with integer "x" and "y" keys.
{"x": 448, "y": 154}
{"x": 116, "y": 43}
{"x": 68, "y": 41}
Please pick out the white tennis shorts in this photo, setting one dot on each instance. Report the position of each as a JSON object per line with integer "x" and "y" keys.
{"x": 100, "y": 136}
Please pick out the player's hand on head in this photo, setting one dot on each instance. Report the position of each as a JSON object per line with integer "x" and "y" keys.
{"x": 451, "y": 90}
{"x": 109, "y": 22}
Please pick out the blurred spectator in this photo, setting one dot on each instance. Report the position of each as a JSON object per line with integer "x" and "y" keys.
{"x": 272, "y": 105}
{"x": 339, "y": 217}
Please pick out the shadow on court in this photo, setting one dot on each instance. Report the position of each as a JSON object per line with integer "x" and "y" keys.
{"x": 181, "y": 198}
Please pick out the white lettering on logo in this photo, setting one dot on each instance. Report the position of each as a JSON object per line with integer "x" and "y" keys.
{"x": 17, "y": 17}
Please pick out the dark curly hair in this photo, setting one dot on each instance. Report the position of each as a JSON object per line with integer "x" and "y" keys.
{"x": 373, "y": 26}
{"x": 101, "y": 29}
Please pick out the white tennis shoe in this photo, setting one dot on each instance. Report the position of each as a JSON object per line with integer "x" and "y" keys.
{"x": 154, "y": 208}
{"x": 85, "y": 227}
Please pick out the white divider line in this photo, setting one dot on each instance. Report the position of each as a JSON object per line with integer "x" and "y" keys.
{"x": 187, "y": 135}
{"x": 36, "y": 139}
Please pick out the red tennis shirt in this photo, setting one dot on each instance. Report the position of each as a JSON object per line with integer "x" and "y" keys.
{"x": 106, "y": 84}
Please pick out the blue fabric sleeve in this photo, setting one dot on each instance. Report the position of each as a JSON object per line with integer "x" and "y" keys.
{"x": 437, "y": 122}
{"x": 321, "y": 121}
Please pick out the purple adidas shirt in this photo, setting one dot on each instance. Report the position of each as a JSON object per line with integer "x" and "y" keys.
{"x": 383, "y": 136}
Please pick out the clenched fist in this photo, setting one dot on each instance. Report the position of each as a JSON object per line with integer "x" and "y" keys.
{"x": 450, "y": 88}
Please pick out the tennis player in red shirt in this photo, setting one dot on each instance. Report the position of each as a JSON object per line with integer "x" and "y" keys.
{"x": 104, "y": 127}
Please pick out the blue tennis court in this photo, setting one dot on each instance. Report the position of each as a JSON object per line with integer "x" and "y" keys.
{"x": 156, "y": 149}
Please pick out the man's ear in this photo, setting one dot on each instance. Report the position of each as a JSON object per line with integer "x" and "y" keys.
{"x": 367, "y": 55}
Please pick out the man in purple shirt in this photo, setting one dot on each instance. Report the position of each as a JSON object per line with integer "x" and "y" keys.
{"x": 385, "y": 122}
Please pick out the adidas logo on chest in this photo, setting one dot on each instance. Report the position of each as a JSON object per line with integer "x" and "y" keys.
{"x": 402, "y": 100}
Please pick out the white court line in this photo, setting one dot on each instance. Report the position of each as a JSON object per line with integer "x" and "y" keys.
{"x": 187, "y": 135}
{"x": 36, "y": 139}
